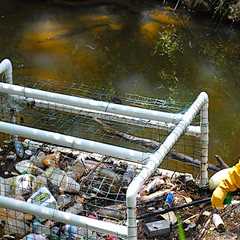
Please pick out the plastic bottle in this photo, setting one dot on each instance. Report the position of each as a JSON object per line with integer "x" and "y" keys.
{"x": 169, "y": 200}
{"x": 129, "y": 174}
{"x": 19, "y": 149}
{"x": 21, "y": 184}
{"x": 27, "y": 166}
{"x": 70, "y": 232}
{"x": 60, "y": 179}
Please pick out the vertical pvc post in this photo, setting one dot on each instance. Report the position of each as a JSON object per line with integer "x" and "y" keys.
{"x": 157, "y": 157}
{"x": 132, "y": 223}
{"x": 204, "y": 139}
{"x": 7, "y": 69}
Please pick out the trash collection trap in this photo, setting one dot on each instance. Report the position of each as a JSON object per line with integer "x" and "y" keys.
{"x": 86, "y": 165}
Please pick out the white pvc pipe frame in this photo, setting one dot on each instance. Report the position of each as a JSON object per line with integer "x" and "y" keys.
{"x": 191, "y": 130}
{"x": 153, "y": 160}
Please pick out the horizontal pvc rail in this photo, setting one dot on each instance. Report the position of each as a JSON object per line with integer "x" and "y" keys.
{"x": 74, "y": 142}
{"x": 63, "y": 217}
{"x": 90, "y": 103}
{"x": 155, "y": 160}
{"x": 191, "y": 130}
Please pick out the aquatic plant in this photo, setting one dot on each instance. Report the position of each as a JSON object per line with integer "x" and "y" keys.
{"x": 168, "y": 43}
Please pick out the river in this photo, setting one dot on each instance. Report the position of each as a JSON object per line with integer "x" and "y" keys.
{"x": 146, "y": 50}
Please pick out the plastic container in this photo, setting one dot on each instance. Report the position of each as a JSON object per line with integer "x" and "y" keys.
{"x": 19, "y": 149}
{"x": 169, "y": 200}
{"x": 60, "y": 179}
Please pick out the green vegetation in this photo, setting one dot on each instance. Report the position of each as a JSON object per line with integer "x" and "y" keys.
{"x": 168, "y": 44}
{"x": 221, "y": 9}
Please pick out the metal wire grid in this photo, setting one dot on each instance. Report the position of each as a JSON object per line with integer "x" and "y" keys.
{"x": 78, "y": 126}
{"x": 111, "y": 95}
{"x": 189, "y": 146}
{"x": 87, "y": 127}
{"x": 17, "y": 225}
{"x": 100, "y": 194}
{"x": 102, "y": 197}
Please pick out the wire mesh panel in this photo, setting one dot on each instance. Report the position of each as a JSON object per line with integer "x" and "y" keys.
{"x": 76, "y": 182}
{"x": 85, "y": 184}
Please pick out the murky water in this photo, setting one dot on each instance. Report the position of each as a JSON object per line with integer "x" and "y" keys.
{"x": 145, "y": 50}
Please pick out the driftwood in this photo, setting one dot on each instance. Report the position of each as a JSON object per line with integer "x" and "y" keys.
{"x": 138, "y": 140}
{"x": 153, "y": 145}
{"x": 190, "y": 161}
{"x": 221, "y": 162}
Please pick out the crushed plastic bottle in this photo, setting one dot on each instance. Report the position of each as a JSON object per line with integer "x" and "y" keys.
{"x": 19, "y": 149}
{"x": 37, "y": 159}
{"x": 28, "y": 154}
{"x": 55, "y": 234}
{"x": 60, "y": 179}
{"x": 11, "y": 157}
{"x": 38, "y": 182}
{"x": 27, "y": 166}
{"x": 21, "y": 185}
{"x": 79, "y": 167}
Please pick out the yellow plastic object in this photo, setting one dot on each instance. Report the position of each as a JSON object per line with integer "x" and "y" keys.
{"x": 230, "y": 184}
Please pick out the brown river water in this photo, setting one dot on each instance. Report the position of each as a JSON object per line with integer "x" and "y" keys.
{"x": 145, "y": 50}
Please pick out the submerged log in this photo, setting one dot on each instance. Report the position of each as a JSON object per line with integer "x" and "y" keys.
{"x": 221, "y": 162}
{"x": 193, "y": 162}
{"x": 154, "y": 145}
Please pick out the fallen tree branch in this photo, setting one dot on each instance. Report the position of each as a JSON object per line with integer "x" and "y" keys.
{"x": 190, "y": 161}
{"x": 221, "y": 162}
{"x": 154, "y": 145}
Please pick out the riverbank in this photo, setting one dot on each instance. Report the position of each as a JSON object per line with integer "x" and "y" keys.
{"x": 220, "y": 10}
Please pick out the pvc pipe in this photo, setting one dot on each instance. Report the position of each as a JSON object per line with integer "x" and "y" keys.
{"x": 191, "y": 130}
{"x": 6, "y": 69}
{"x": 63, "y": 217}
{"x": 90, "y": 103}
{"x": 204, "y": 139}
{"x": 73, "y": 142}
{"x": 154, "y": 161}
